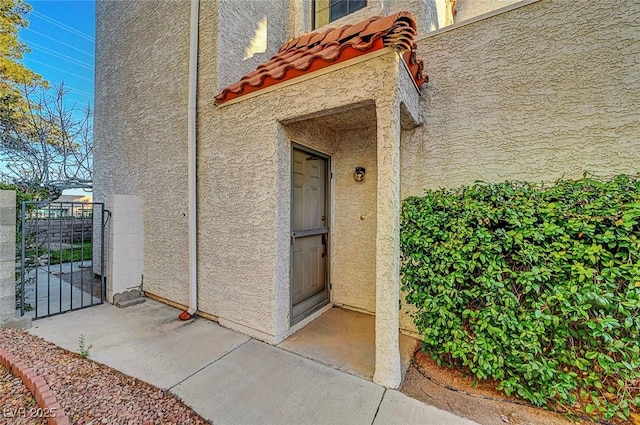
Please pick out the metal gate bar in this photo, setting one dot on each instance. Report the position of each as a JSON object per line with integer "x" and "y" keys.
{"x": 57, "y": 234}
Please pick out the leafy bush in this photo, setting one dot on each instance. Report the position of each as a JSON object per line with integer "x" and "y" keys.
{"x": 537, "y": 288}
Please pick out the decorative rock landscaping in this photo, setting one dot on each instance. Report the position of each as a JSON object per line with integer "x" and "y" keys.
{"x": 76, "y": 390}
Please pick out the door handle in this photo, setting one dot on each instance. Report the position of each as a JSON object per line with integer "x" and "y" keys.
{"x": 324, "y": 245}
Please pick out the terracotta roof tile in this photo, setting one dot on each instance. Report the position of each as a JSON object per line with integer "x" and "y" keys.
{"x": 313, "y": 51}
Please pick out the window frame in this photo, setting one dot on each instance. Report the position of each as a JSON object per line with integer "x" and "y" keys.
{"x": 349, "y": 11}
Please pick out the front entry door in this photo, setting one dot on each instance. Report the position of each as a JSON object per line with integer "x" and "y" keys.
{"x": 309, "y": 233}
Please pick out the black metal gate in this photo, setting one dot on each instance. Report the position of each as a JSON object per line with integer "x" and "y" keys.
{"x": 61, "y": 257}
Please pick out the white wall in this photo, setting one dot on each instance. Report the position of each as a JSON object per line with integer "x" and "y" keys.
{"x": 126, "y": 245}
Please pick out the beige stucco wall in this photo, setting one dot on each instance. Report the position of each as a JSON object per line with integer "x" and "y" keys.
{"x": 141, "y": 128}
{"x": 242, "y": 27}
{"x": 353, "y": 205}
{"x": 245, "y": 176}
{"x": 429, "y": 14}
{"x": 467, "y": 9}
{"x": 536, "y": 93}
{"x": 354, "y": 230}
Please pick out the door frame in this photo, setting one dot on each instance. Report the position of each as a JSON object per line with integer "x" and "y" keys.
{"x": 328, "y": 210}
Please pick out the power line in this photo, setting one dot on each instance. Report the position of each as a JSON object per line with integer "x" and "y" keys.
{"x": 60, "y": 42}
{"x": 82, "y": 92}
{"x": 58, "y": 69}
{"x": 63, "y": 26}
{"x": 61, "y": 56}
{"x": 70, "y": 96}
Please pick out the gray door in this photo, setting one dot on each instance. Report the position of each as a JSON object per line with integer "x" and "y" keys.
{"x": 309, "y": 233}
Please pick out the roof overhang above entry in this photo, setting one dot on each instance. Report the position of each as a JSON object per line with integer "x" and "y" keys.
{"x": 312, "y": 52}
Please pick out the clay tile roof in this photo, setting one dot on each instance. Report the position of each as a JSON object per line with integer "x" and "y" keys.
{"x": 313, "y": 51}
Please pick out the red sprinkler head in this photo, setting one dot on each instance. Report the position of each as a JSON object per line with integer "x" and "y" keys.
{"x": 185, "y": 315}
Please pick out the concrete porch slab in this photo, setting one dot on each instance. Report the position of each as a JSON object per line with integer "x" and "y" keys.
{"x": 345, "y": 340}
{"x": 145, "y": 341}
{"x": 258, "y": 383}
{"x": 226, "y": 377}
{"x": 397, "y": 408}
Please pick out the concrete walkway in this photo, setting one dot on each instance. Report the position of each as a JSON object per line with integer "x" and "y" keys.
{"x": 227, "y": 377}
{"x": 49, "y": 289}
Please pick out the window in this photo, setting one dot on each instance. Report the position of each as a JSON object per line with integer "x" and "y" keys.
{"x": 325, "y": 11}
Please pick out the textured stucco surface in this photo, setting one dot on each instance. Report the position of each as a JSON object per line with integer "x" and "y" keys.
{"x": 7, "y": 255}
{"x": 208, "y": 52}
{"x": 353, "y": 204}
{"x": 247, "y": 182}
{"x": 537, "y": 93}
{"x": 467, "y": 9}
{"x": 354, "y": 231}
{"x": 141, "y": 128}
{"x": 125, "y": 244}
{"x": 239, "y": 24}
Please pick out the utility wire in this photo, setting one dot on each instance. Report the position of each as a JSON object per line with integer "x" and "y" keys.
{"x": 82, "y": 92}
{"x": 78, "y": 100}
{"x": 58, "y": 69}
{"x": 63, "y": 26}
{"x": 58, "y": 41}
{"x": 61, "y": 56}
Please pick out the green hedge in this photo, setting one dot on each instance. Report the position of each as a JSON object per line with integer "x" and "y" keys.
{"x": 536, "y": 288}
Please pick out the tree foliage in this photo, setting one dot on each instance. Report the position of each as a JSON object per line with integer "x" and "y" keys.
{"x": 536, "y": 288}
{"x": 13, "y": 74}
{"x": 44, "y": 142}
{"x": 49, "y": 143}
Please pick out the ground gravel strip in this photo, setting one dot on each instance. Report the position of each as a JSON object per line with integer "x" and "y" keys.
{"x": 89, "y": 392}
{"x": 16, "y": 401}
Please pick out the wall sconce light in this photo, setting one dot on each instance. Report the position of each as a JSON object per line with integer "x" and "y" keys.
{"x": 358, "y": 175}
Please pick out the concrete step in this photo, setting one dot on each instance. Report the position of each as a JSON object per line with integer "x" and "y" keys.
{"x": 130, "y": 302}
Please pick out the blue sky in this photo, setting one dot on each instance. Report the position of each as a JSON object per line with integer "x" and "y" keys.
{"x": 61, "y": 36}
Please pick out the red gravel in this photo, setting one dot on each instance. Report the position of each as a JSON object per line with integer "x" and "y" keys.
{"x": 89, "y": 392}
{"x": 17, "y": 405}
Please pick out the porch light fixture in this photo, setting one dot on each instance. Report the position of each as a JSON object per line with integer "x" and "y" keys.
{"x": 358, "y": 175}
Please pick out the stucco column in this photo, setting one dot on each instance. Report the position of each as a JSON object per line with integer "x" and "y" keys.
{"x": 8, "y": 263}
{"x": 125, "y": 259}
{"x": 7, "y": 254}
{"x": 387, "y": 371}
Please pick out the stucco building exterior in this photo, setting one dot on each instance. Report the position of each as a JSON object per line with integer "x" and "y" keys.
{"x": 527, "y": 90}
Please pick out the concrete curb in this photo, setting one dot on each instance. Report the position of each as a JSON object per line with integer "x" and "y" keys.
{"x": 51, "y": 409}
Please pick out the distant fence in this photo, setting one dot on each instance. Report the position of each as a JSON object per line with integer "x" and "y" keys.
{"x": 56, "y": 230}
{"x": 56, "y": 257}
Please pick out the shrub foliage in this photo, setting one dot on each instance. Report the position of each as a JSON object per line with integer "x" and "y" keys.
{"x": 535, "y": 287}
